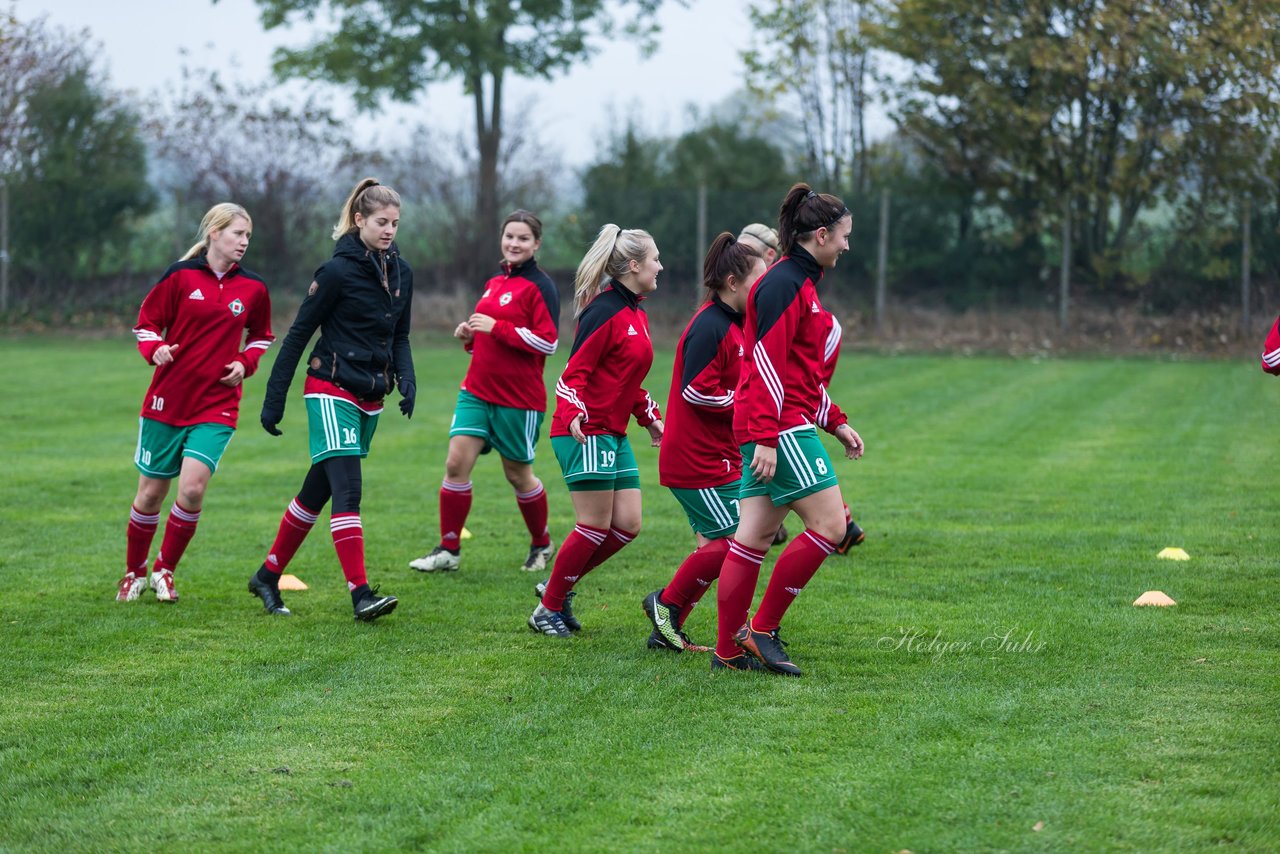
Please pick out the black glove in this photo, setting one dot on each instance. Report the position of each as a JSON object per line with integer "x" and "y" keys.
{"x": 272, "y": 414}
{"x": 408, "y": 391}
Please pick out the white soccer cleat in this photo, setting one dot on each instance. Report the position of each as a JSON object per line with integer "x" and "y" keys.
{"x": 131, "y": 587}
{"x": 439, "y": 560}
{"x": 162, "y": 584}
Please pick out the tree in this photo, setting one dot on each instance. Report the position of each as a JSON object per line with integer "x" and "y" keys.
{"x": 394, "y": 48}
{"x": 1104, "y": 106}
{"x": 274, "y": 152}
{"x": 652, "y": 183}
{"x": 77, "y": 160}
{"x": 812, "y": 53}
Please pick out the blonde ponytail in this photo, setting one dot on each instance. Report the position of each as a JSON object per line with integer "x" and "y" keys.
{"x": 609, "y": 257}
{"x": 217, "y": 218}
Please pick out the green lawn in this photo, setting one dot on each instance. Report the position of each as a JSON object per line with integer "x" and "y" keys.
{"x": 1015, "y": 500}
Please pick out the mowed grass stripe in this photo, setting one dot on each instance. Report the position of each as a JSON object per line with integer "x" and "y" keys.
{"x": 1002, "y": 497}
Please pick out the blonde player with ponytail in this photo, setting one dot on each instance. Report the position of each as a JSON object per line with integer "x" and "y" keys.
{"x": 191, "y": 327}
{"x": 596, "y": 396}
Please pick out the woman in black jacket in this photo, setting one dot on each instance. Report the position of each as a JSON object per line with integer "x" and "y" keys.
{"x": 360, "y": 300}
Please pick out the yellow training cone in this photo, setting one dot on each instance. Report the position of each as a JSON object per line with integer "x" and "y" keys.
{"x": 465, "y": 535}
{"x": 1154, "y": 597}
{"x": 1172, "y": 553}
{"x": 291, "y": 582}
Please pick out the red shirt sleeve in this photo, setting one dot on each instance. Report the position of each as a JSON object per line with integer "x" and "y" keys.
{"x": 260, "y": 335}
{"x": 537, "y": 335}
{"x": 154, "y": 317}
{"x": 577, "y": 372}
{"x": 646, "y": 409}
{"x": 1271, "y": 350}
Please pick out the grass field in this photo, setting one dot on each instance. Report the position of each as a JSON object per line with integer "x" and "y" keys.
{"x": 975, "y": 676}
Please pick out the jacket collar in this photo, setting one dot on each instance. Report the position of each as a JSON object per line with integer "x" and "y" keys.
{"x": 631, "y": 299}
{"x": 204, "y": 262}
{"x": 736, "y": 316}
{"x": 807, "y": 262}
{"x": 520, "y": 269}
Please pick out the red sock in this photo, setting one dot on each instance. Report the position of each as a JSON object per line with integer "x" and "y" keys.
{"x": 612, "y": 544}
{"x": 178, "y": 531}
{"x": 533, "y": 507}
{"x": 455, "y": 505}
{"x": 294, "y": 527}
{"x": 573, "y": 556}
{"x": 738, "y": 577}
{"x": 137, "y": 538}
{"x": 695, "y": 575}
{"x": 796, "y": 565}
{"x": 348, "y": 542}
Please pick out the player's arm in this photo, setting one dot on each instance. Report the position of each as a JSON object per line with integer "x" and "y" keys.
{"x": 538, "y": 333}
{"x": 590, "y": 345}
{"x": 154, "y": 317}
{"x": 1271, "y": 350}
{"x": 702, "y": 378}
{"x": 776, "y": 323}
{"x": 259, "y": 336}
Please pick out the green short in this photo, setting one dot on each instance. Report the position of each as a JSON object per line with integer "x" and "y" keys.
{"x": 603, "y": 463}
{"x": 713, "y": 511}
{"x": 338, "y": 428}
{"x": 513, "y": 432}
{"x": 161, "y": 447}
{"x": 803, "y": 468}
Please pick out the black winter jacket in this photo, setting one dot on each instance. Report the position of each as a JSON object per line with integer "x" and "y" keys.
{"x": 360, "y": 300}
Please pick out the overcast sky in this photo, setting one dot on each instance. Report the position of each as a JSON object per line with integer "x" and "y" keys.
{"x": 697, "y": 63}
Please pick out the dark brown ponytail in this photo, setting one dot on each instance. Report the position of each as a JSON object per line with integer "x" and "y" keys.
{"x": 804, "y": 211}
{"x": 726, "y": 257}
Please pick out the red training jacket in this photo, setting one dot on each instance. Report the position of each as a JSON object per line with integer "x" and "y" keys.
{"x": 507, "y": 364}
{"x": 698, "y": 449}
{"x": 206, "y": 318}
{"x": 785, "y": 339}
{"x": 828, "y": 412}
{"x": 1271, "y": 350}
{"x": 611, "y": 355}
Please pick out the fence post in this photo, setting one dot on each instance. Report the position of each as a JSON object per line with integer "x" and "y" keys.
{"x": 4, "y": 245}
{"x": 1244, "y": 264}
{"x": 882, "y": 258}
{"x": 701, "y": 249}
{"x": 1064, "y": 275}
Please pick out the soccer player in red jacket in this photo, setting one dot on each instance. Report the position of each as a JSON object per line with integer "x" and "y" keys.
{"x": 192, "y": 327}
{"x": 596, "y": 396}
{"x": 1271, "y": 350}
{"x": 503, "y": 396}
{"x": 699, "y": 460}
{"x": 785, "y": 466}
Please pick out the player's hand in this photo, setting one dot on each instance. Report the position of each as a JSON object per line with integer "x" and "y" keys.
{"x": 575, "y": 430}
{"x": 480, "y": 323}
{"x": 163, "y": 354}
{"x": 765, "y": 463}
{"x": 853, "y": 445}
{"x": 655, "y": 433}
{"x": 463, "y": 333}
{"x": 234, "y": 375}
{"x": 408, "y": 394}
{"x": 271, "y": 416}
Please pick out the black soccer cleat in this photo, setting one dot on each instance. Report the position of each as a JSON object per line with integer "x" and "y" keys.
{"x": 270, "y": 597}
{"x": 766, "y": 647}
{"x": 665, "y": 621}
{"x": 780, "y": 536}
{"x": 372, "y": 605}
{"x": 566, "y": 610}
{"x": 738, "y": 662}
{"x": 853, "y": 536}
